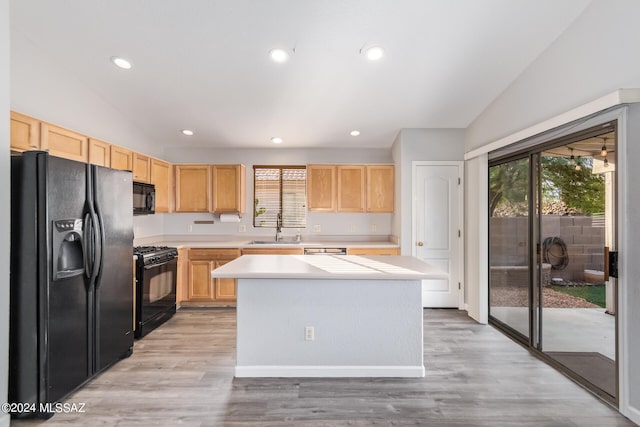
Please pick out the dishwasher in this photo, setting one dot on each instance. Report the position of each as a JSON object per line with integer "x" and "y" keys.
{"x": 325, "y": 251}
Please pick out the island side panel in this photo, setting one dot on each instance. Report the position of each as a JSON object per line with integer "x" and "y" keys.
{"x": 370, "y": 328}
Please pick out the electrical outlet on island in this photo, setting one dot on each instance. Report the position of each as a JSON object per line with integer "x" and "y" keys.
{"x": 242, "y": 228}
{"x": 317, "y": 228}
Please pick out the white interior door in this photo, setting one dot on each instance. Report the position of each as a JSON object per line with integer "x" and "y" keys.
{"x": 437, "y": 237}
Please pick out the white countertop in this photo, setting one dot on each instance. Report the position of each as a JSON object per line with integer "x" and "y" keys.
{"x": 328, "y": 267}
{"x": 248, "y": 244}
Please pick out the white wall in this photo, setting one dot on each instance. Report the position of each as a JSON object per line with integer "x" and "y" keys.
{"x": 45, "y": 91}
{"x": 593, "y": 57}
{"x": 396, "y": 155}
{"x": 596, "y": 55}
{"x": 5, "y": 213}
{"x": 334, "y": 224}
{"x": 629, "y": 255}
{"x": 476, "y": 244}
{"x": 420, "y": 144}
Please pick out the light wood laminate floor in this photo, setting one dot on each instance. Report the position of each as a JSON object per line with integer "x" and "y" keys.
{"x": 182, "y": 375}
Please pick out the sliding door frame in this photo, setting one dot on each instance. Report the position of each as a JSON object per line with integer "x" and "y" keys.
{"x": 534, "y": 341}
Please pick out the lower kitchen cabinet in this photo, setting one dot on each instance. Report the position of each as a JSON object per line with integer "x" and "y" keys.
{"x": 372, "y": 251}
{"x": 225, "y": 288}
{"x": 201, "y": 287}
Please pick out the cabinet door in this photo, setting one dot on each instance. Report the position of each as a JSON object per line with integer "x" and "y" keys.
{"x": 321, "y": 188}
{"x": 372, "y": 251}
{"x": 64, "y": 143}
{"x": 121, "y": 158}
{"x": 141, "y": 168}
{"x": 201, "y": 285}
{"x": 99, "y": 153}
{"x": 228, "y": 189}
{"x": 351, "y": 188}
{"x": 161, "y": 178}
{"x": 380, "y": 188}
{"x": 225, "y": 287}
{"x": 25, "y": 132}
{"x": 193, "y": 188}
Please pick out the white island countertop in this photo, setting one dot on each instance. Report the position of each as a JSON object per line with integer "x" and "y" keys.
{"x": 328, "y": 267}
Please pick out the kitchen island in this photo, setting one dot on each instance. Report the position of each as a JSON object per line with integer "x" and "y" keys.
{"x": 329, "y": 316}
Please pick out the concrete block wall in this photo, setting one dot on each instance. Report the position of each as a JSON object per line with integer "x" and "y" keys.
{"x": 585, "y": 243}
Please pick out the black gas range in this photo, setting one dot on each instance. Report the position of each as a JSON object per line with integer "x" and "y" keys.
{"x": 156, "y": 276}
{"x": 155, "y": 254}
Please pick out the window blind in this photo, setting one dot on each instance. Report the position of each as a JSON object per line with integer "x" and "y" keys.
{"x": 280, "y": 190}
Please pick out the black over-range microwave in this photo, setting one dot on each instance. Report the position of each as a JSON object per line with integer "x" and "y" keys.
{"x": 144, "y": 198}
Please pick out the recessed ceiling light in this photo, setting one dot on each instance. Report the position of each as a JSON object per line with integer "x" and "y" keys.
{"x": 354, "y": 133}
{"x": 374, "y": 53}
{"x": 121, "y": 62}
{"x": 276, "y": 140}
{"x": 187, "y": 132}
{"x": 279, "y": 55}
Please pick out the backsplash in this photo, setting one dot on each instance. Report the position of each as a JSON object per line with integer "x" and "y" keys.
{"x": 318, "y": 224}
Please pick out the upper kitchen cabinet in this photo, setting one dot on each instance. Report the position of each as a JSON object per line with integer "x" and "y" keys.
{"x": 99, "y": 153}
{"x": 321, "y": 188}
{"x": 161, "y": 178}
{"x": 121, "y": 158}
{"x": 25, "y": 132}
{"x": 64, "y": 143}
{"x": 380, "y": 188}
{"x": 193, "y": 188}
{"x": 141, "y": 168}
{"x": 351, "y": 188}
{"x": 228, "y": 189}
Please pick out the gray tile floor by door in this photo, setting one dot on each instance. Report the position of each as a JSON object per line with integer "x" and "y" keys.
{"x": 182, "y": 375}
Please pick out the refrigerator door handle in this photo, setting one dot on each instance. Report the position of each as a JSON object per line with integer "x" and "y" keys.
{"x": 87, "y": 247}
{"x": 97, "y": 246}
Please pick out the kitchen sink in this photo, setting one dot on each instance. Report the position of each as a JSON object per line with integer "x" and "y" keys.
{"x": 273, "y": 242}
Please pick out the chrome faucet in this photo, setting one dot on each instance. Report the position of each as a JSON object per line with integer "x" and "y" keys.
{"x": 278, "y": 227}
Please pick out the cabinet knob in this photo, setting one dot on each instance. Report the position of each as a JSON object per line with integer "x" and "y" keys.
{"x": 420, "y": 244}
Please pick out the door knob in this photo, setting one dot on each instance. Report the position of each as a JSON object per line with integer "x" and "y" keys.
{"x": 420, "y": 244}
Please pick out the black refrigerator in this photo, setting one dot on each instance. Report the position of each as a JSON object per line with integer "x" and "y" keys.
{"x": 71, "y": 311}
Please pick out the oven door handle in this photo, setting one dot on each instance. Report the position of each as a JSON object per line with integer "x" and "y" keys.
{"x": 149, "y": 267}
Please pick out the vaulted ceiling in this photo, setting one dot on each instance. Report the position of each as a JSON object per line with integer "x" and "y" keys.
{"x": 204, "y": 64}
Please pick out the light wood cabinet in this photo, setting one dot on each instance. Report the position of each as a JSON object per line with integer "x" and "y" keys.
{"x": 228, "y": 195}
{"x": 182, "y": 282}
{"x": 380, "y": 188}
{"x": 61, "y": 142}
{"x": 99, "y": 153}
{"x": 193, "y": 188}
{"x": 272, "y": 251}
{"x": 351, "y": 188}
{"x": 141, "y": 168}
{"x": 372, "y": 251}
{"x": 25, "y": 132}
{"x": 121, "y": 158}
{"x": 161, "y": 174}
{"x": 321, "y": 188}
{"x": 225, "y": 288}
{"x": 201, "y": 286}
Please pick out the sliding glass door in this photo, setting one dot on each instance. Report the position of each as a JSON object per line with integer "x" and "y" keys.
{"x": 552, "y": 229}
{"x": 509, "y": 258}
{"x": 576, "y": 217}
